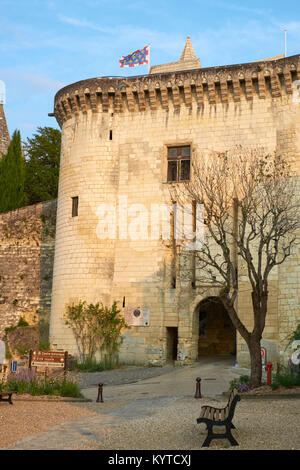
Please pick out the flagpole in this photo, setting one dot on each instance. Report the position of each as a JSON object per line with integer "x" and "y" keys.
{"x": 285, "y": 43}
{"x": 149, "y": 60}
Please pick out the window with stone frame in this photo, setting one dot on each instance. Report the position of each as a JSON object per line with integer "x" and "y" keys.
{"x": 179, "y": 160}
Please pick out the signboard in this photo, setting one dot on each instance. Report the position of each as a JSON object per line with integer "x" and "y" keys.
{"x": 14, "y": 366}
{"x": 137, "y": 316}
{"x": 2, "y": 352}
{"x": 263, "y": 356}
{"x": 48, "y": 359}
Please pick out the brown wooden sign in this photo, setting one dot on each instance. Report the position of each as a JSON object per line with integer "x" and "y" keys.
{"x": 48, "y": 359}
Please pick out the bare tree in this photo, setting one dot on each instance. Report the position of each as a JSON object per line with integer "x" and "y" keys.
{"x": 251, "y": 218}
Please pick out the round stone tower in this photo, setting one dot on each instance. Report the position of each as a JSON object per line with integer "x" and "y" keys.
{"x": 118, "y": 138}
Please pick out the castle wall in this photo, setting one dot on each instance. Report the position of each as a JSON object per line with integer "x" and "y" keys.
{"x": 26, "y": 265}
{"x": 115, "y": 136}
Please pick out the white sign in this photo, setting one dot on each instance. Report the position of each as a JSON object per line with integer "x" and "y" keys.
{"x": 2, "y": 352}
{"x": 47, "y": 364}
{"x": 296, "y": 354}
{"x": 263, "y": 356}
{"x": 137, "y": 316}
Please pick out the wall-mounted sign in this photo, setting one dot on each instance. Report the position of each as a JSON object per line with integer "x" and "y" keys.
{"x": 263, "y": 353}
{"x": 137, "y": 316}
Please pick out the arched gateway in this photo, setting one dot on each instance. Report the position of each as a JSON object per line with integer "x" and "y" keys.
{"x": 216, "y": 333}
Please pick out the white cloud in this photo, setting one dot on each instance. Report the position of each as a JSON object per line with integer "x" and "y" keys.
{"x": 41, "y": 82}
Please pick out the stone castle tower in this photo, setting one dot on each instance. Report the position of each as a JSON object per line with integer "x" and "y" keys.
{"x": 4, "y": 134}
{"x": 123, "y": 141}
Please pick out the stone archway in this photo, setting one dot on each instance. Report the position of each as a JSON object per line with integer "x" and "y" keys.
{"x": 216, "y": 333}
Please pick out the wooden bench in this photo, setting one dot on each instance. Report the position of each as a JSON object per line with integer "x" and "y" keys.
{"x": 219, "y": 417}
{"x": 6, "y": 396}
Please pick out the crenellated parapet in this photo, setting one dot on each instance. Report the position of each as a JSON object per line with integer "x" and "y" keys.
{"x": 172, "y": 90}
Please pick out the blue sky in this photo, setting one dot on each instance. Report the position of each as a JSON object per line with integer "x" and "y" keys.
{"x": 46, "y": 44}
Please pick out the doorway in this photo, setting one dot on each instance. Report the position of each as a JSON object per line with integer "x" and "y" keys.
{"x": 172, "y": 342}
{"x": 216, "y": 333}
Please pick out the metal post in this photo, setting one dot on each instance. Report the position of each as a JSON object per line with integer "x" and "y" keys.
{"x": 30, "y": 359}
{"x": 198, "y": 388}
{"x": 100, "y": 395}
{"x": 66, "y": 364}
{"x": 285, "y": 43}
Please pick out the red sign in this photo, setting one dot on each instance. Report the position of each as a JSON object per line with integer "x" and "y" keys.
{"x": 263, "y": 355}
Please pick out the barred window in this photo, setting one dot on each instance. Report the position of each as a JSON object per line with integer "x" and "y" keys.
{"x": 179, "y": 163}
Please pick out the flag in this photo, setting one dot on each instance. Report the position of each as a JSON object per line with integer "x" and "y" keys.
{"x": 139, "y": 57}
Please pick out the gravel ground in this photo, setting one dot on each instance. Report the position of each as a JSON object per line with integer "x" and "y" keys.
{"x": 260, "y": 425}
{"x": 162, "y": 424}
{"x": 25, "y": 418}
{"x": 155, "y": 414}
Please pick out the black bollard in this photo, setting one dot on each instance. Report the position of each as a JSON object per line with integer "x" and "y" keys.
{"x": 198, "y": 388}
{"x": 100, "y": 395}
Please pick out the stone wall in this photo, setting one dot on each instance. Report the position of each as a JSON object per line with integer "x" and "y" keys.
{"x": 27, "y": 238}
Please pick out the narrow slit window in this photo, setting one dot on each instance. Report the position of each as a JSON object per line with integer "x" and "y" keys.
{"x": 179, "y": 163}
{"x": 110, "y": 135}
{"x": 75, "y": 206}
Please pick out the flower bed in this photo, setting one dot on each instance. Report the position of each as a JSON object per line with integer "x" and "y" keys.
{"x": 27, "y": 381}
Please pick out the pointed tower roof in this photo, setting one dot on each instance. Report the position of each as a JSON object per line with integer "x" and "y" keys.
{"x": 188, "y": 60}
{"x": 4, "y": 134}
{"x": 188, "y": 53}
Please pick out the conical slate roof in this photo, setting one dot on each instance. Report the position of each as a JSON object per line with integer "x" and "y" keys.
{"x": 4, "y": 134}
{"x": 188, "y": 60}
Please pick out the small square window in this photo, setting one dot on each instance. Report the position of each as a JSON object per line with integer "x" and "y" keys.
{"x": 75, "y": 206}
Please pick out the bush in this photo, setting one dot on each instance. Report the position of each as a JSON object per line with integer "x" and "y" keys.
{"x": 288, "y": 378}
{"x": 242, "y": 384}
{"x": 22, "y": 322}
{"x": 96, "y": 327}
{"x": 92, "y": 365}
{"x": 27, "y": 381}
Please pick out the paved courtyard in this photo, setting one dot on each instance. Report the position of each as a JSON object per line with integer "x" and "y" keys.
{"x": 158, "y": 411}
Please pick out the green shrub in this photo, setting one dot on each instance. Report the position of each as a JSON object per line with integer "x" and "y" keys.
{"x": 287, "y": 379}
{"x": 243, "y": 379}
{"x": 44, "y": 346}
{"x": 295, "y": 335}
{"x": 92, "y": 365}
{"x": 96, "y": 327}
{"x": 22, "y": 322}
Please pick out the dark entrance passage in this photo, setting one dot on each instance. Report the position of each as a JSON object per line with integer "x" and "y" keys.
{"x": 172, "y": 341}
{"x": 217, "y": 335}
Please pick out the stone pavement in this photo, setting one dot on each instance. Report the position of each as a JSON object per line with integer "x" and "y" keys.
{"x": 127, "y": 375}
{"x": 146, "y": 397}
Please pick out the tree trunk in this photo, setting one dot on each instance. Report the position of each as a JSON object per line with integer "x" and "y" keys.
{"x": 255, "y": 358}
